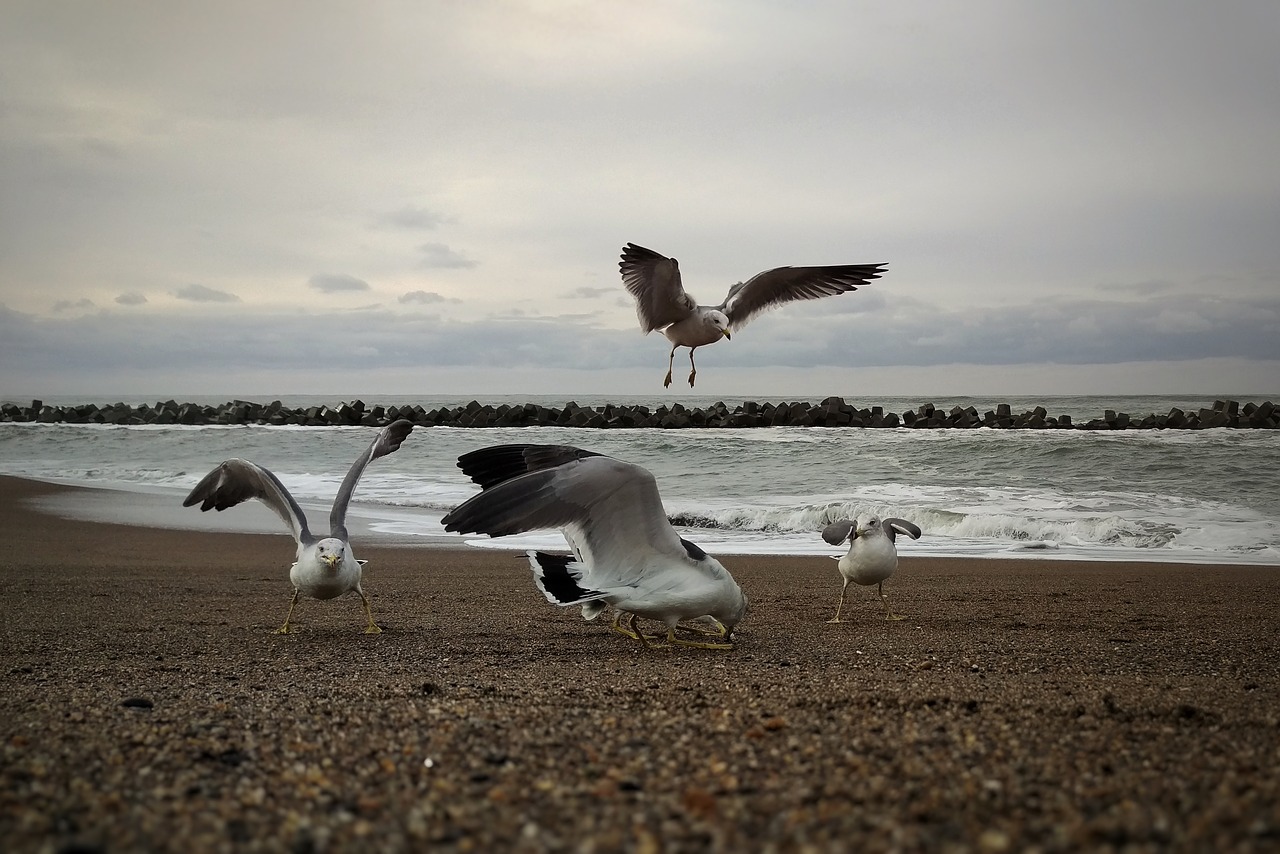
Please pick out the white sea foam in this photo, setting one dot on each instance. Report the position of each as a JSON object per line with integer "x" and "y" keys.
{"x": 1156, "y": 495}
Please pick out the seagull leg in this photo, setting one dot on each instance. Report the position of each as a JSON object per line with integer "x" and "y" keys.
{"x": 671, "y": 638}
{"x": 670, "y": 365}
{"x": 637, "y": 633}
{"x": 617, "y": 626}
{"x": 836, "y": 618}
{"x": 632, "y": 631}
{"x": 693, "y": 369}
{"x": 888, "y": 615}
{"x": 286, "y": 629}
{"x": 654, "y": 637}
{"x": 372, "y": 628}
{"x": 719, "y": 631}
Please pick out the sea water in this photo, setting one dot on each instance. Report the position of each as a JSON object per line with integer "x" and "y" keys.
{"x": 1168, "y": 495}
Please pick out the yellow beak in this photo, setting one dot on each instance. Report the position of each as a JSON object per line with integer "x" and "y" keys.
{"x": 726, "y": 334}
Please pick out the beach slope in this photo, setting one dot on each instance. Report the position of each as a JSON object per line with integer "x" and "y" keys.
{"x": 1048, "y": 704}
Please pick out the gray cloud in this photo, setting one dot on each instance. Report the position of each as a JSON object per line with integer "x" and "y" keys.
{"x": 204, "y": 293}
{"x": 591, "y": 293}
{"x": 131, "y": 298}
{"x": 1063, "y": 332}
{"x": 64, "y": 305}
{"x": 437, "y": 255}
{"x": 1149, "y": 288}
{"x": 1039, "y": 192}
{"x": 332, "y": 283}
{"x": 1089, "y": 332}
{"x": 414, "y": 218}
{"x": 425, "y": 298}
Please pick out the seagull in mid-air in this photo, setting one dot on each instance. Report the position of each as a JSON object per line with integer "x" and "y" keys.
{"x": 625, "y": 553}
{"x": 324, "y": 567}
{"x": 662, "y": 303}
{"x": 872, "y": 555}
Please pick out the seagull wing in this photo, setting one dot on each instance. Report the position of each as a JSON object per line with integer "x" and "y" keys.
{"x": 239, "y": 480}
{"x": 900, "y": 526}
{"x": 386, "y": 442}
{"x": 772, "y": 288}
{"x": 611, "y": 512}
{"x": 654, "y": 281}
{"x": 490, "y": 466}
{"x": 837, "y": 532}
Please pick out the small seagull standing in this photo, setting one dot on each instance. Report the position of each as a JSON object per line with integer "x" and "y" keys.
{"x": 324, "y": 567}
{"x": 625, "y": 552}
{"x": 662, "y": 303}
{"x": 872, "y": 555}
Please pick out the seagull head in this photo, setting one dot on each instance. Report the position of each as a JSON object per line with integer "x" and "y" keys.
{"x": 329, "y": 552}
{"x": 870, "y": 526}
{"x": 720, "y": 321}
{"x": 732, "y": 615}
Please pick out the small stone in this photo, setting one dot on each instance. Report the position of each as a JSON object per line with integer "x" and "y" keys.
{"x": 994, "y": 841}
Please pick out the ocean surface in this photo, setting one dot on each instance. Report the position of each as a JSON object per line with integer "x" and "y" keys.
{"x": 1183, "y": 496}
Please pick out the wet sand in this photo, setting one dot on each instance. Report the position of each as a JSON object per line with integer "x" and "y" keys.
{"x": 1022, "y": 705}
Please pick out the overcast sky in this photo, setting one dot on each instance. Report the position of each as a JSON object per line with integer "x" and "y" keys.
{"x": 431, "y": 197}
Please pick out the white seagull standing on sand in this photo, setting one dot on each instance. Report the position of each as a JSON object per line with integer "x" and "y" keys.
{"x": 625, "y": 552}
{"x": 324, "y": 567}
{"x": 872, "y": 555}
{"x": 662, "y": 303}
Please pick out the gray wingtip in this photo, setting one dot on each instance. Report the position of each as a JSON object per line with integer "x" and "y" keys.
{"x": 902, "y": 526}
{"x": 837, "y": 532}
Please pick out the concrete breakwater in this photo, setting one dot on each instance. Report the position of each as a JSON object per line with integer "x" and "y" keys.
{"x": 832, "y": 412}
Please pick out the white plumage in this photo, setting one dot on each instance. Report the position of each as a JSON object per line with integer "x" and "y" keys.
{"x": 662, "y": 302}
{"x": 324, "y": 567}
{"x": 872, "y": 555}
{"x": 625, "y": 552}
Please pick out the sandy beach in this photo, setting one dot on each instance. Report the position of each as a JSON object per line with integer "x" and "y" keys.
{"x": 1022, "y": 705}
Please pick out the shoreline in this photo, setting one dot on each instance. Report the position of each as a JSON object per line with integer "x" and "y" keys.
{"x": 158, "y": 507}
{"x": 1078, "y": 705}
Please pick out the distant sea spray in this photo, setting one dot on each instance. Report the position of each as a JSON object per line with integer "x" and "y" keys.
{"x": 1167, "y": 495}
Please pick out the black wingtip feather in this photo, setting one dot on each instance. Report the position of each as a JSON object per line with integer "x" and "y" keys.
{"x": 490, "y": 466}
{"x": 487, "y": 467}
{"x": 692, "y": 550}
{"x": 557, "y": 576}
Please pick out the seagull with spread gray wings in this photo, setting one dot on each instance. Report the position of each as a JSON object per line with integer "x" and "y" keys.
{"x": 625, "y": 552}
{"x": 324, "y": 567}
{"x": 872, "y": 555}
{"x": 662, "y": 302}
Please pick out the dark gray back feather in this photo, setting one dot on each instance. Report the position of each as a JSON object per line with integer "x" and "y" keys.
{"x": 235, "y": 481}
{"x": 900, "y": 526}
{"x": 386, "y": 442}
{"x": 780, "y": 285}
{"x": 837, "y": 532}
{"x": 526, "y": 502}
{"x": 490, "y": 466}
{"x": 654, "y": 281}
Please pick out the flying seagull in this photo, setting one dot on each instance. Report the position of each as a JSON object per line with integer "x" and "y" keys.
{"x": 324, "y": 567}
{"x": 662, "y": 303}
{"x": 872, "y": 555}
{"x": 625, "y": 552}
